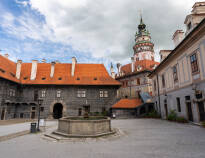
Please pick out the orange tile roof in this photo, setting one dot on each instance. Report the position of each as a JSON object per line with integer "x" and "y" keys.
{"x": 127, "y": 103}
{"x": 145, "y": 64}
{"x": 85, "y": 74}
{"x": 7, "y": 69}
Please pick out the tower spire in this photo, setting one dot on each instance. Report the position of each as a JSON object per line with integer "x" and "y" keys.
{"x": 141, "y": 21}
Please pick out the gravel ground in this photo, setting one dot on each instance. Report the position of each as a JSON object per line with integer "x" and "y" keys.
{"x": 143, "y": 138}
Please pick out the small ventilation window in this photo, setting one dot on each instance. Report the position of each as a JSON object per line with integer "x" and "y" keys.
{"x": 78, "y": 78}
{"x": 12, "y": 74}
{"x": 25, "y": 78}
{"x": 95, "y": 78}
{"x": 1, "y": 70}
{"x": 43, "y": 78}
{"x": 60, "y": 78}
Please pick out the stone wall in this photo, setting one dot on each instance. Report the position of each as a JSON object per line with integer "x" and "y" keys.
{"x": 22, "y": 103}
{"x": 172, "y": 102}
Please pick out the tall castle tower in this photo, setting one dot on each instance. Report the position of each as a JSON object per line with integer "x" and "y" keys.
{"x": 143, "y": 48}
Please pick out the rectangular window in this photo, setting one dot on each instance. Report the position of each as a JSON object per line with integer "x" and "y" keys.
{"x": 175, "y": 76}
{"x": 194, "y": 64}
{"x": 163, "y": 81}
{"x": 42, "y": 109}
{"x": 155, "y": 85}
{"x": 138, "y": 81}
{"x": 43, "y": 93}
{"x": 103, "y": 94}
{"x": 12, "y": 92}
{"x": 58, "y": 93}
{"x": 35, "y": 95}
{"x": 178, "y": 104}
{"x": 81, "y": 93}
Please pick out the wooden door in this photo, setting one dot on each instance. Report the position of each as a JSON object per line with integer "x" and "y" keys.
{"x": 166, "y": 110}
{"x": 201, "y": 111}
{"x": 189, "y": 111}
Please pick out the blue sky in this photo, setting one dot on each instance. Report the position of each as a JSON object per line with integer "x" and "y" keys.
{"x": 92, "y": 31}
{"x": 26, "y": 47}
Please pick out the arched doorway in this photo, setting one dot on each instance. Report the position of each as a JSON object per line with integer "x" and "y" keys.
{"x": 142, "y": 110}
{"x": 57, "y": 111}
{"x": 150, "y": 108}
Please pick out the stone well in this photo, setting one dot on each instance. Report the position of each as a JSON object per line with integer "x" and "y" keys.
{"x": 74, "y": 127}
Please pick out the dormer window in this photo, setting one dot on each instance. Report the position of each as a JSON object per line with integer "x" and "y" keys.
{"x": 139, "y": 68}
{"x": 12, "y": 74}
{"x": 189, "y": 26}
{"x": 1, "y": 70}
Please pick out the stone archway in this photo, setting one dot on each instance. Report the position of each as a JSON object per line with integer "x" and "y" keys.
{"x": 64, "y": 108}
{"x": 57, "y": 111}
{"x": 142, "y": 110}
{"x": 150, "y": 108}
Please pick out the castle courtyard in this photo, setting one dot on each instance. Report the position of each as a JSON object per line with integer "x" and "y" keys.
{"x": 142, "y": 138}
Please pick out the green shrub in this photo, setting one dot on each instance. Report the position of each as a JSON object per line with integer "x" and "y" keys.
{"x": 181, "y": 120}
{"x": 96, "y": 113}
{"x": 203, "y": 124}
{"x": 153, "y": 114}
{"x": 104, "y": 113}
{"x": 172, "y": 116}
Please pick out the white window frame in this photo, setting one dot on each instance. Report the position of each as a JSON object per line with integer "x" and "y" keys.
{"x": 103, "y": 94}
{"x": 43, "y": 93}
{"x": 12, "y": 92}
{"x": 81, "y": 93}
{"x": 58, "y": 93}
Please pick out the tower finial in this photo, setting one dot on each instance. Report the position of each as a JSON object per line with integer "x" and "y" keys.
{"x": 111, "y": 65}
{"x": 141, "y": 21}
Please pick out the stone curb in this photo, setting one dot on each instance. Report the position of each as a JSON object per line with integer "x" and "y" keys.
{"x": 83, "y": 136}
{"x": 14, "y": 135}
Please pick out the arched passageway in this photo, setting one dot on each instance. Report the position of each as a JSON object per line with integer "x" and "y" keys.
{"x": 57, "y": 111}
{"x": 150, "y": 108}
{"x": 142, "y": 110}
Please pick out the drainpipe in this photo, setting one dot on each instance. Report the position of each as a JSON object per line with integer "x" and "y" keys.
{"x": 158, "y": 94}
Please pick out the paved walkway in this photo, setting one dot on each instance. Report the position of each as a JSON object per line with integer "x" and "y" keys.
{"x": 20, "y": 127}
{"x": 144, "y": 138}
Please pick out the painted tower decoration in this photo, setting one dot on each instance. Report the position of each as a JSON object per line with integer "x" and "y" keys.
{"x": 143, "y": 48}
{"x": 134, "y": 75}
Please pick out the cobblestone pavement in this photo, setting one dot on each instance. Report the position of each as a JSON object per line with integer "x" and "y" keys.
{"x": 143, "y": 138}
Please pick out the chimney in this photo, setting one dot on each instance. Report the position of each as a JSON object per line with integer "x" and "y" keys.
{"x": 118, "y": 69}
{"x": 43, "y": 60}
{"x": 133, "y": 64}
{"x": 34, "y": 69}
{"x": 74, "y": 61}
{"x": 6, "y": 55}
{"x": 52, "y": 68}
{"x": 178, "y": 37}
{"x": 18, "y": 69}
{"x": 163, "y": 54}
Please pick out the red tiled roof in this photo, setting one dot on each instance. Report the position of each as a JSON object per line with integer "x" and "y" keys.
{"x": 145, "y": 65}
{"x": 85, "y": 74}
{"x": 7, "y": 69}
{"x": 127, "y": 103}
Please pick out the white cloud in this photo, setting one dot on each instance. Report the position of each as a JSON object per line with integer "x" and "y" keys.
{"x": 102, "y": 27}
